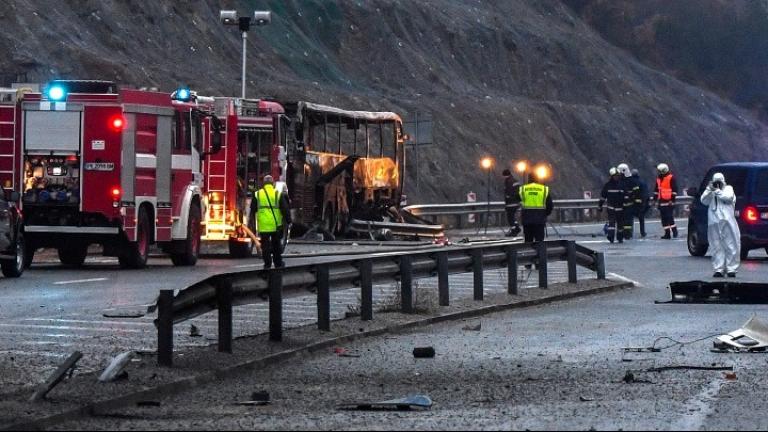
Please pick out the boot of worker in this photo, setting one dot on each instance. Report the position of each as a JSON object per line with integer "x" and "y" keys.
{"x": 619, "y": 237}
{"x": 666, "y": 235}
{"x": 674, "y": 232}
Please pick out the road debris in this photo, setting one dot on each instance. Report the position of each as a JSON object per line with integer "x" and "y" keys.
{"x": 586, "y": 399}
{"x": 194, "y": 331}
{"x": 402, "y": 404}
{"x": 476, "y": 327}
{"x": 116, "y": 367}
{"x": 424, "y": 352}
{"x": 148, "y": 403}
{"x": 730, "y": 376}
{"x": 258, "y": 398}
{"x": 343, "y": 352}
{"x": 66, "y": 368}
{"x": 718, "y": 292}
{"x": 751, "y": 337}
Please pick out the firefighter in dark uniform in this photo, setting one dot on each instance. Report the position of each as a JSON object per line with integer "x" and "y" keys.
{"x": 536, "y": 203}
{"x": 272, "y": 210}
{"x": 511, "y": 201}
{"x": 665, "y": 196}
{"x": 641, "y": 201}
{"x": 614, "y": 195}
{"x": 632, "y": 189}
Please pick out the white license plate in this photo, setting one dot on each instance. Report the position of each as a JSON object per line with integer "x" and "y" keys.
{"x": 99, "y": 166}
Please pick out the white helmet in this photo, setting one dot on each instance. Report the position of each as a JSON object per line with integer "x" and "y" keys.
{"x": 662, "y": 168}
{"x": 613, "y": 171}
{"x": 624, "y": 169}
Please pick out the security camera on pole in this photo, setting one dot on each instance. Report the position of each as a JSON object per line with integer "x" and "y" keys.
{"x": 230, "y": 17}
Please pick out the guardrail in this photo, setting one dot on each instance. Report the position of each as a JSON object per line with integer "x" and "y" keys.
{"x": 223, "y": 291}
{"x": 455, "y": 215}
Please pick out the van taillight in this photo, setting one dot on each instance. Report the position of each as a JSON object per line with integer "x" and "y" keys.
{"x": 751, "y": 214}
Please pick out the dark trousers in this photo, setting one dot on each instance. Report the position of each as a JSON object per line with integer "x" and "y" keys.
{"x": 629, "y": 221}
{"x": 512, "y": 215}
{"x": 640, "y": 210}
{"x": 615, "y": 224}
{"x": 271, "y": 248}
{"x": 667, "y": 211}
{"x": 534, "y": 232}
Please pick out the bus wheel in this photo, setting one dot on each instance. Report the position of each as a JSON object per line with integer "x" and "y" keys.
{"x": 240, "y": 249}
{"x": 137, "y": 253}
{"x": 191, "y": 246}
{"x": 73, "y": 254}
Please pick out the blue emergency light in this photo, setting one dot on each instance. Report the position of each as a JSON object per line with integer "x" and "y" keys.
{"x": 57, "y": 93}
{"x": 182, "y": 94}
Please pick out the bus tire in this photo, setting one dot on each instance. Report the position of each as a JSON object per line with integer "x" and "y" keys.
{"x": 73, "y": 254}
{"x": 136, "y": 253}
{"x": 15, "y": 267}
{"x": 190, "y": 248}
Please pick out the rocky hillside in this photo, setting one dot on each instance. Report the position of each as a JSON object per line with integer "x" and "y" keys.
{"x": 512, "y": 79}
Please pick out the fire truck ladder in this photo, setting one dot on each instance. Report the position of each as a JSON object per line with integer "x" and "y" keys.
{"x": 8, "y": 136}
{"x": 217, "y": 228}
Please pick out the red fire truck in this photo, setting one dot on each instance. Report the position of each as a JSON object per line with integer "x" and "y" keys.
{"x": 102, "y": 165}
{"x": 253, "y": 145}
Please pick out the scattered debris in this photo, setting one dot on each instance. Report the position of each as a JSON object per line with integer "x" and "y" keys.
{"x": 477, "y": 327}
{"x": 730, "y": 376}
{"x": 66, "y": 368}
{"x": 258, "y": 398}
{"x": 129, "y": 311}
{"x": 402, "y": 404}
{"x": 751, "y": 337}
{"x": 648, "y": 349}
{"x": 194, "y": 331}
{"x": 718, "y": 292}
{"x": 424, "y": 352}
{"x": 343, "y": 352}
{"x": 689, "y": 367}
{"x": 148, "y": 403}
{"x": 586, "y": 399}
{"x": 116, "y": 367}
{"x": 629, "y": 378}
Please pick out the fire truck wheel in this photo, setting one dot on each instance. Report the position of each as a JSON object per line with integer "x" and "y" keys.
{"x": 29, "y": 254}
{"x": 191, "y": 246}
{"x": 73, "y": 254}
{"x": 238, "y": 249}
{"x": 136, "y": 253}
{"x": 14, "y": 268}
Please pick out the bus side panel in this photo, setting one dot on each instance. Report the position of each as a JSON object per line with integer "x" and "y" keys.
{"x": 101, "y": 149}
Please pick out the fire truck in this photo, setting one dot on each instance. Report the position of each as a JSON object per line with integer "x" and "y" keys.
{"x": 100, "y": 165}
{"x": 253, "y": 145}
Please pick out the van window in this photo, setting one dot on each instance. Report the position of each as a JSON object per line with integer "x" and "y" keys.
{"x": 761, "y": 185}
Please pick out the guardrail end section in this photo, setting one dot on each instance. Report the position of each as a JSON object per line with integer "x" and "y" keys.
{"x": 165, "y": 328}
{"x": 600, "y": 257}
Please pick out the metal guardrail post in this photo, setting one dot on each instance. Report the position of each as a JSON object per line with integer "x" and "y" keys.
{"x": 165, "y": 328}
{"x": 571, "y": 248}
{"x": 600, "y": 258}
{"x": 275, "y": 305}
{"x": 406, "y": 284}
{"x": 366, "y": 290}
{"x": 477, "y": 270}
{"x": 542, "y": 264}
{"x": 322, "y": 273}
{"x": 224, "y": 306}
{"x": 442, "y": 279}
{"x": 511, "y": 270}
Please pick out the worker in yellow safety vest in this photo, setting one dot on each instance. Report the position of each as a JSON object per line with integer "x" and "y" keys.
{"x": 272, "y": 211}
{"x": 536, "y": 203}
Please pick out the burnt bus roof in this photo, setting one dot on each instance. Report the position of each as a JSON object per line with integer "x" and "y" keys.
{"x": 311, "y": 110}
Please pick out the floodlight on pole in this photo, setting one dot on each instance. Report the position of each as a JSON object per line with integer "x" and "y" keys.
{"x": 231, "y": 17}
{"x": 487, "y": 164}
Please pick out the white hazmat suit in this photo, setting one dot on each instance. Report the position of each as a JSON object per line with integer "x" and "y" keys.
{"x": 722, "y": 229}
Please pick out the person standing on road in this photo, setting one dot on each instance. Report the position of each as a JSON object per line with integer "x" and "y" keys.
{"x": 272, "y": 211}
{"x": 641, "y": 201}
{"x": 632, "y": 189}
{"x": 614, "y": 195}
{"x": 722, "y": 229}
{"x": 511, "y": 201}
{"x": 537, "y": 204}
{"x": 665, "y": 195}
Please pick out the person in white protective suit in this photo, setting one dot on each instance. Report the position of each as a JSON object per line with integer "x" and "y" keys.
{"x": 722, "y": 228}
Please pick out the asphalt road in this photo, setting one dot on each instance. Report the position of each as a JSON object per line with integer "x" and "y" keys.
{"x": 555, "y": 367}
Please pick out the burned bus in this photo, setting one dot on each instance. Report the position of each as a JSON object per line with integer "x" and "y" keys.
{"x": 343, "y": 167}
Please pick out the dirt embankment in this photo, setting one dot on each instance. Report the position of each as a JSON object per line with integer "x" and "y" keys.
{"x": 513, "y": 79}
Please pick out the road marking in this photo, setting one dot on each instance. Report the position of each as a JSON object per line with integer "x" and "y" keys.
{"x": 626, "y": 279}
{"x": 80, "y": 281}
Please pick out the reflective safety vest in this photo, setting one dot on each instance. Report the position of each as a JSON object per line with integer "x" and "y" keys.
{"x": 533, "y": 196}
{"x": 664, "y": 185}
{"x": 268, "y": 215}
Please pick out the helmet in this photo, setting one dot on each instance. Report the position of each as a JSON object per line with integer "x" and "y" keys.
{"x": 624, "y": 169}
{"x": 613, "y": 171}
{"x": 662, "y": 168}
{"x": 269, "y": 179}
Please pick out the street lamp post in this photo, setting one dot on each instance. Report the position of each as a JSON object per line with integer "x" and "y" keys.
{"x": 487, "y": 164}
{"x": 230, "y": 17}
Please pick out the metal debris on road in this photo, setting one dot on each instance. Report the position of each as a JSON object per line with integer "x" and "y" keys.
{"x": 424, "y": 352}
{"x": 751, "y": 337}
{"x": 194, "y": 331}
{"x": 258, "y": 398}
{"x": 116, "y": 367}
{"x": 477, "y": 327}
{"x": 343, "y": 352}
{"x": 718, "y": 292}
{"x": 67, "y": 367}
{"x": 402, "y": 404}
{"x": 148, "y": 403}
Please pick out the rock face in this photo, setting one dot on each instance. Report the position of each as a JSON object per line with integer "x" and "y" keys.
{"x": 512, "y": 79}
